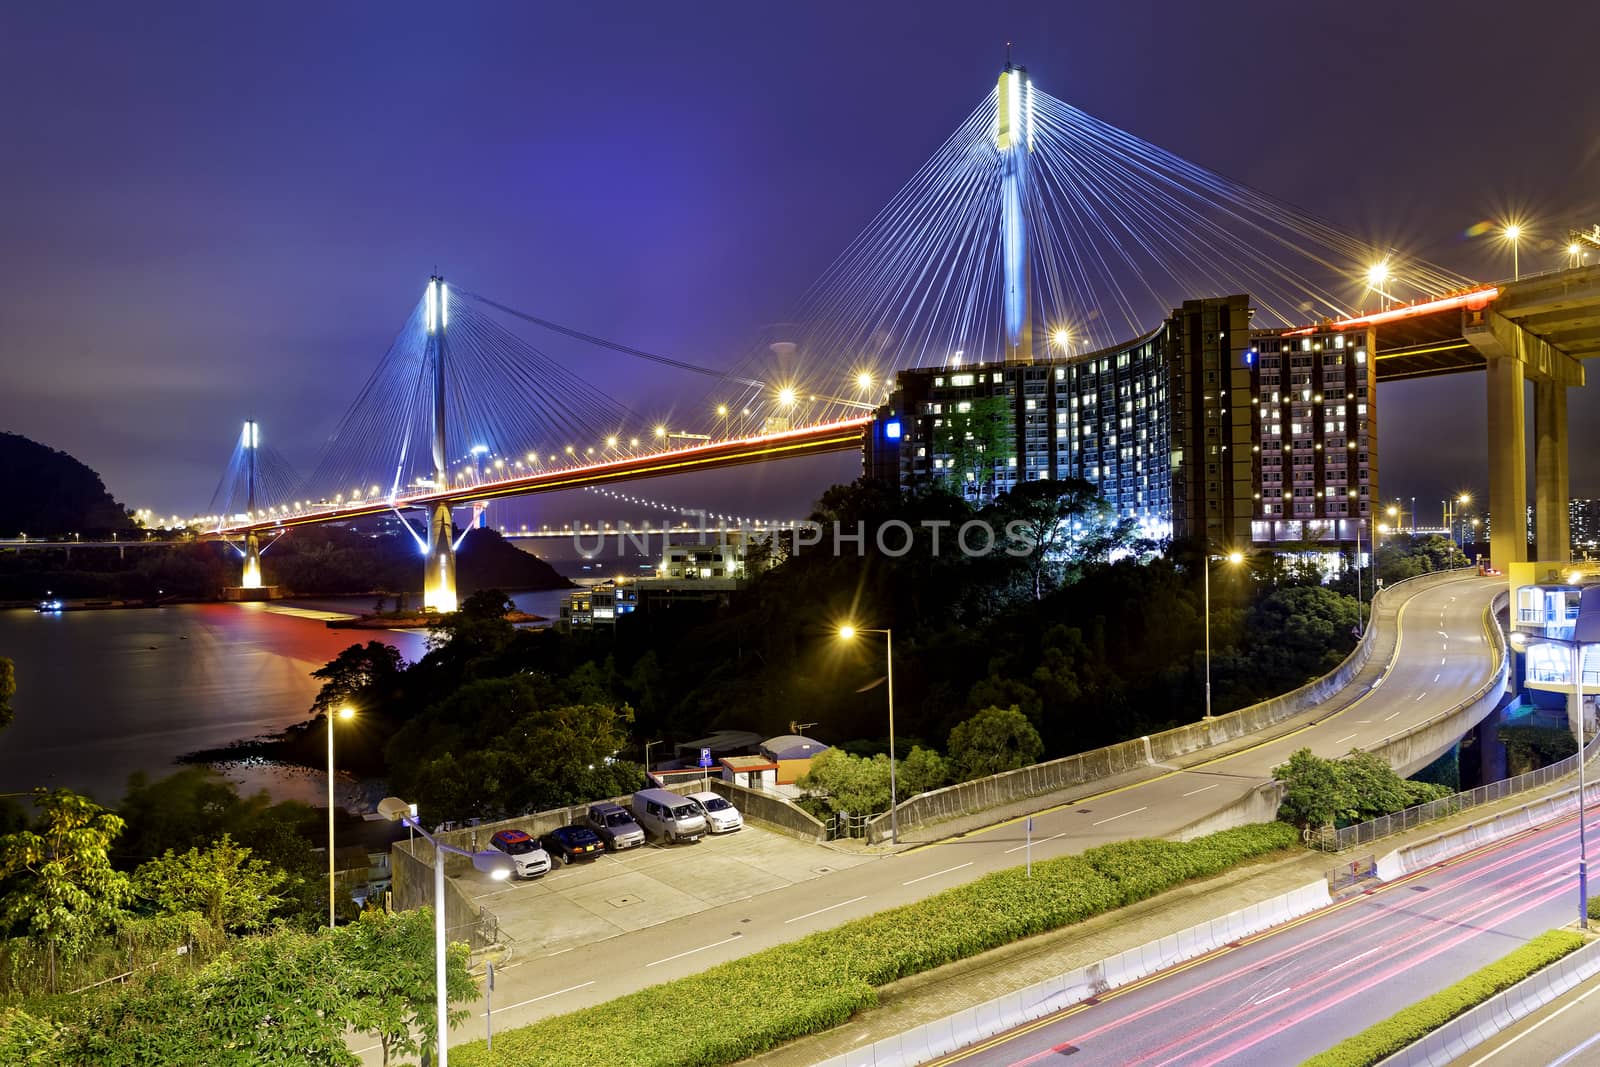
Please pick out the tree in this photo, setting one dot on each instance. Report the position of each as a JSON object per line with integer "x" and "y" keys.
{"x": 976, "y": 441}
{"x": 389, "y": 964}
{"x": 1064, "y": 520}
{"x": 233, "y": 891}
{"x": 61, "y": 887}
{"x": 922, "y": 769}
{"x": 994, "y": 740}
{"x": 858, "y": 784}
{"x": 366, "y": 675}
{"x": 8, "y": 689}
{"x": 1314, "y": 791}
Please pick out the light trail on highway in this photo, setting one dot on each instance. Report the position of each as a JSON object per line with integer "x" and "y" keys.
{"x": 1291, "y": 992}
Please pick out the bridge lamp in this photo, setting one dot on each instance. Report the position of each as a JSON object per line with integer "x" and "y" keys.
{"x": 611, "y": 442}
{"x": 661, "y": 432}
{"x": 1512, "y": 233}
{"x": 1061, "y": 338}
{"x": 786, "y": 396}
{"x": 569, "y": 450}
{"x": 633, "y": 442}
{"x": 863, "y": 381}
{"x": 589, "y": 451}
{"x": 722, "y": 411}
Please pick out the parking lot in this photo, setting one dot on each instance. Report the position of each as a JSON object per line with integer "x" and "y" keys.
{"x": 624, "y": 891}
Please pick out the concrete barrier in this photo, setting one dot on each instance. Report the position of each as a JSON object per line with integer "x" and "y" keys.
{"x": 411, "y": 886}
{"x": 982, "y": 794}
{"x": 771, "y": 812}
{"x": 971, "y": 1025}
{"x": 1472, "y": 1028}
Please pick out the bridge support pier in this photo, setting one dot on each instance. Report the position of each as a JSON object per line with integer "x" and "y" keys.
{"x": 1552, "y": 533}
{"x": 252, "y": 561}
{"x": 1508, "y": 464}
{"x": 439, "y": 579}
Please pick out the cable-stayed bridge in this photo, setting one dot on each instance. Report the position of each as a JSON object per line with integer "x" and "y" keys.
{"x": 1035, "y": 233}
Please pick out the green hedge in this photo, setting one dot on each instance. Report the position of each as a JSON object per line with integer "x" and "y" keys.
{"x": 738, "y": 1009}
{"x": 1422, "y": 1018}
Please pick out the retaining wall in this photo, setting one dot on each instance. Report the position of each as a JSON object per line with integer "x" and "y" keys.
{"x": 966, "y": 1027}
{"x": 771, "y": 812}
{"x": 411, "y": 883}
{"x": 967, "y": 798}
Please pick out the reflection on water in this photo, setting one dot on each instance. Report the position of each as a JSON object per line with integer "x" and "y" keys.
{"x": 101, "y": 694}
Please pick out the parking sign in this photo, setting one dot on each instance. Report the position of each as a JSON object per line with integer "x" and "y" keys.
{"x": 705, "y": 757}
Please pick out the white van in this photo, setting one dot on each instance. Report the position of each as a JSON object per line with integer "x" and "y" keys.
{"x": 667, "y": 815}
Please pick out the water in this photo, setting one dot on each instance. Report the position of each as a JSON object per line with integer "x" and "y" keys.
{"x": 101, "y": 694}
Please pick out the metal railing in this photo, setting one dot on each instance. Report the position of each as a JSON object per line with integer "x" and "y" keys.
{"x": 847, "y": 824}
{"x": 1363, "y": 833}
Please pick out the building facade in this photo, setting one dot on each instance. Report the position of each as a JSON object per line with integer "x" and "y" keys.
{"x": 1203, "y": 428}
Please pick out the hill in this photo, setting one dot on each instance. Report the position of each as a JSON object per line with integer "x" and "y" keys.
{"x": 45, "y": 493}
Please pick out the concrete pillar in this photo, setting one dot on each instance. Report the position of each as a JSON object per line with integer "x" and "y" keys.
{"x": 252, "y": 561}
{"x": 439, "y": 580}
{"x": 1508, "y": 464}
{"x": 1552, "y": 536}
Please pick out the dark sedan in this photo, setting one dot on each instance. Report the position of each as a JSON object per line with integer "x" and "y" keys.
{"x": 573, "y": 843}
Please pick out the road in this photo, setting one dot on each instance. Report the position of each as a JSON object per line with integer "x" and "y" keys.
{"x": 1290, "y": 993}
{"x": 1440, "y": 656}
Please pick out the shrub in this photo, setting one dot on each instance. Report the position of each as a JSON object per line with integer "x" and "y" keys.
{"x": 819, "y": 981}
{"x": 1410, "y": 1024}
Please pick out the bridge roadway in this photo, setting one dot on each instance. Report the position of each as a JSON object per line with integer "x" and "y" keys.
{"x": 1433, "y": 654}
{"x": 1291, "y": 992}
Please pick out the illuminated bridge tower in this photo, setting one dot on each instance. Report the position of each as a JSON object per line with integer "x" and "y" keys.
{"x": 439, "y": 580}
{"x": 252, "y": 541}
{"x": 1013, "y": 136}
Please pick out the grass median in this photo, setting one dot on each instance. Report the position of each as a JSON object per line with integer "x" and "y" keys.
{"x": 1384, "y": 1039}
{"x": 749, "y": 1005}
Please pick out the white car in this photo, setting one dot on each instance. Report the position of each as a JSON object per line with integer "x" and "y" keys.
{"x": 531, "y": 860}
{"x": 721, "y": 816}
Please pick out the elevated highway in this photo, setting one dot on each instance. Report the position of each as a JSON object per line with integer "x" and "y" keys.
{"x": 1433, "y": 654}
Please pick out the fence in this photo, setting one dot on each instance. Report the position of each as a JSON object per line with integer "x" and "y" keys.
{"x": 1363, "y": 833}
{"x": 847, "y": 824}
{"x": 1348, "y": 874}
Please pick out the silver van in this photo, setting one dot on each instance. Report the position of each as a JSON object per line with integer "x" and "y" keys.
{"x": 667, "y": 815}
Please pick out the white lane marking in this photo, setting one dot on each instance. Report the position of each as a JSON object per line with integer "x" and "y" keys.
{"x": 691, "y": 952}
{"x": 830, "y": 907}
{"x": 1442, "y": 634}
{"x": 1441, "y": 661}
{"x": 1352, "y": 959}
{"x": 1386, "y": 718}
{"x": 936, "y": 874}
{"x": 1041, "y": 841}
{"x": 1279, "y": 993}
{"x": 1421, "y": 695}
{"x": 1364, "y": 722}
{"x": 1535, "y": 1026}
{"x": 1213, "y": 785}
{"x": 547, "y": 996}
{"x": 557, "y": 952}
{"x": 1436, "y": 677}
{"x": 1568, "y": 1057}
{"x": 1343, "y": 739}
{"x": 1124, "y": 815}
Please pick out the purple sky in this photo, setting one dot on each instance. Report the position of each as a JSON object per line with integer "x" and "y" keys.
{"x": 214, "y": 212}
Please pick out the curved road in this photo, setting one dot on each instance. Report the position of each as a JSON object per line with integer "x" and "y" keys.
{"x": 1293, "y": 991}
{"x": 1439, "y": 657}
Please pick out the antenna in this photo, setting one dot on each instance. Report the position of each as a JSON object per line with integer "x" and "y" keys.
{"x": 799, "y": 728}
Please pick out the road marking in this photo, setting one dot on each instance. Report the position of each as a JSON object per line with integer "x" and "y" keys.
{"x": 830, "y": 907}
{"x": 1213, "y": 785}
{"x": 1024, "y": 845}
{"x": 1124, "y": 815}
{"x": 691, "y": 952}
{"x": 1343, "y": 739}
{"x": 1442, "y": 634}
{"x": 1420, "y": 695}
{"x": 1436, "y": 677}
{"x": 1386, "y": 718}
{"x": 1279, "y": 993}
{"x": 1364, "y": 722}
{"x": 1352, "y": 959}
{"x": 557, "y": 952}
{"x": 936, "y": 874}
{"x": 547, "y": 996}
{"x": 1441, "y": 661}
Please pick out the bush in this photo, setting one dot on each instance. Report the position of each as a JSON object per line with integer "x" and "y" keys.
{"x": 819, "y": 981}
{"x": 1410, "y": 1024}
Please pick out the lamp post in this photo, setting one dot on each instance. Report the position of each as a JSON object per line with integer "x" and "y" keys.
{"x": 494, "y": 863}
{"x": 1520, "y": 641}
{"x": 1231, "y": 557}
{"x": 846, "y": 633}
{"x": 648, "y": 745}
{"x": 1512, "y": 233}
{"x": 346, "y": 713}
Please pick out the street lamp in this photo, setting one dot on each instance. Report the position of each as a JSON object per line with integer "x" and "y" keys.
{"x": 848, "y": 632}
{"x": 1233, "y": 558}
{"x": 494, "y": 863}
{"x": 1519, "y": 641}
{"x": 1512, "y": 233}
{"x": 648, "y": 745}
{"x": 346, "y": 713}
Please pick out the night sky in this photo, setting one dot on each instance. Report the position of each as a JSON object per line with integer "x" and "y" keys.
{"x": 214, "y": 212}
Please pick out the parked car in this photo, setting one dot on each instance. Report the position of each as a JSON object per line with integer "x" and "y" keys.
{"x": 531, "y": 860}
{"x": 668, "y": 815}
{"x": 721, "y": 816}
{"x": 573, "y": 843}
{"x": 614, "y": 826}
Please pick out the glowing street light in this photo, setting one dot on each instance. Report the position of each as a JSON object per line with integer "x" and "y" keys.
{"x": 345, "y": 714}
{"x": 847, "y": 632}
{"x": 863, "y": 381}
{"x": 611, "y": 442}
{"x": 786, "y": 396}
{"x": 722, "y": 411}
{"x": 1512, "y": 233}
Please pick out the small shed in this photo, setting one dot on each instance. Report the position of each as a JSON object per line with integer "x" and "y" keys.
{"x": 752, "y": 772}
{"x": 793, "y": 754}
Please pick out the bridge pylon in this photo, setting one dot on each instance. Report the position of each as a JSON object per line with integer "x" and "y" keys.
{"x": 1013, "y": 137}
{"x": 252, "y": 544}
{"x": 439, "y": 575}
